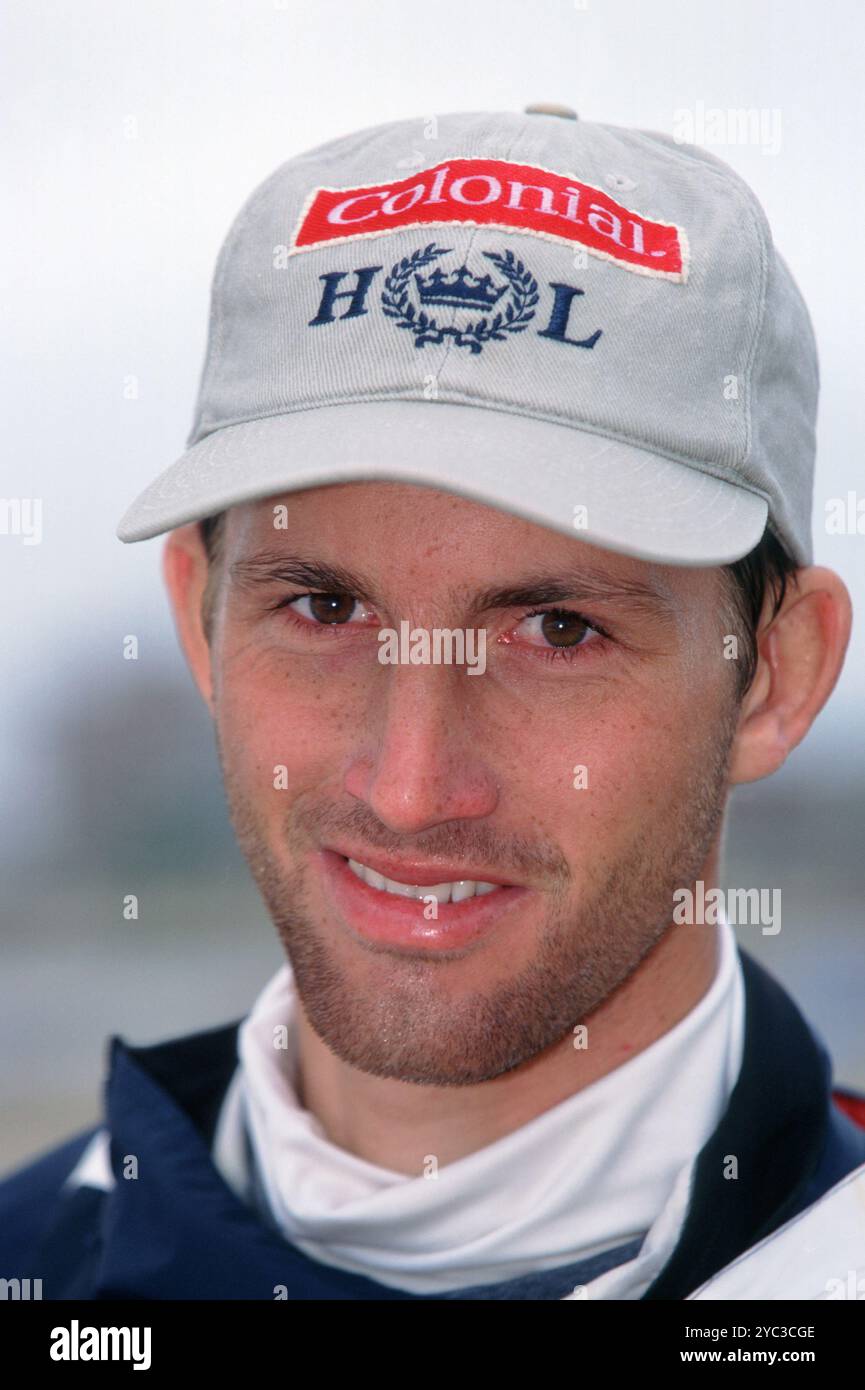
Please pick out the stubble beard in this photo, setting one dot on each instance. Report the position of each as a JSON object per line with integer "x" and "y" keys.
{"x": 411, "y": 1029}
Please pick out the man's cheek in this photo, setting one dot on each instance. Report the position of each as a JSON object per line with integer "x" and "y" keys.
{"x": 619, "y": 774}
{"x": 273, "y": 735}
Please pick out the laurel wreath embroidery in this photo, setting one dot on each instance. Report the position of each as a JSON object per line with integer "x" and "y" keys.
{"x": 396, "y": 302}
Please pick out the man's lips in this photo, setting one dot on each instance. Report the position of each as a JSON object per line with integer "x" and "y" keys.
{"x": 420, "y": 872}
{"x": 396, "y": 921}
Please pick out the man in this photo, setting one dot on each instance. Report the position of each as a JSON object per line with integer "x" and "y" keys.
{"x": 490, "y": 556}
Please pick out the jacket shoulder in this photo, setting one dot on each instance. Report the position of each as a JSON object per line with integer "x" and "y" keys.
{"x": 818, "y": 1254}
{"x": 49, "y": 1224}
{"x": 30, "y": 1198}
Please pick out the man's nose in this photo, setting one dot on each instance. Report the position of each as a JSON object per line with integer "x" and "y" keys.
{"x": 421, "y": 759}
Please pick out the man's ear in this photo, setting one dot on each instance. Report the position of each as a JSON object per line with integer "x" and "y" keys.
{"x": 185, "y": 569}
{"x": 800, "y": 655}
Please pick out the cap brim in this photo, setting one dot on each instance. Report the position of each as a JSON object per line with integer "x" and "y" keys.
{"x": 604, "y": 491}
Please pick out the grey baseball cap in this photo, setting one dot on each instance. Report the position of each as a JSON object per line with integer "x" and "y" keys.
{"x": 583, "y": 325}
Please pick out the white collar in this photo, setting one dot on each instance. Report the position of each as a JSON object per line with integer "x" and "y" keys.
{"x": 610, "y": 1163}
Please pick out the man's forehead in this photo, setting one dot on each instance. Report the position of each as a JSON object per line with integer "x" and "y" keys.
{"x": 415, "y": 502}
{"x": 333, "y": 538}
{"x": 352, "y": 512}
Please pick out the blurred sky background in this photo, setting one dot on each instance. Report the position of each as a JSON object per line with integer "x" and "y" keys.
{"x": 131, "y": 134}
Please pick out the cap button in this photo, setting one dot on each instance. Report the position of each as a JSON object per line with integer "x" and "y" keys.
{"x": 550, "y": 108}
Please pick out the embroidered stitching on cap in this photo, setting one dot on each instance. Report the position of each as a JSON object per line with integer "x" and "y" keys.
{"x": 438, "y": 196}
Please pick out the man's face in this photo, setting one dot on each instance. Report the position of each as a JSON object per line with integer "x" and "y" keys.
{"x": 426, "y": 767}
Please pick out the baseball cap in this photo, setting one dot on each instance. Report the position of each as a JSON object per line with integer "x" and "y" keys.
{"x": 584, "y": 325}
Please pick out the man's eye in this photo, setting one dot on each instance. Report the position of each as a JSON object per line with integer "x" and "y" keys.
{"x": 325, "y": 609}
{"x": 558, "y": 628}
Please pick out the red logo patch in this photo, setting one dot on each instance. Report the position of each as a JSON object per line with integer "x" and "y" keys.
{"x": 497, "y": 193}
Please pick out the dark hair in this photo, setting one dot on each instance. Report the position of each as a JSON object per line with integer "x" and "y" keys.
{"x": 763, "y": 573}
{"x": 766, "y": 570}
{"x": 212, "y": 531}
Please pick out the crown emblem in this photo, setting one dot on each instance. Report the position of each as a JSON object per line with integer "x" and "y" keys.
{"x": 459, "y": 289}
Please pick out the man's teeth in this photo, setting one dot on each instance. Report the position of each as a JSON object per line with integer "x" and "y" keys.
{"x": 444, "y": 892}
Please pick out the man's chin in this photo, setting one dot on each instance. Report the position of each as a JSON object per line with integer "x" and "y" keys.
{"x": 430, "y": 1021}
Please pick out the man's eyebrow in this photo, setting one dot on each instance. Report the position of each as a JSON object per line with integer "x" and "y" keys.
{"x": 267, "y": 568}
{"x": 580, "y": 585}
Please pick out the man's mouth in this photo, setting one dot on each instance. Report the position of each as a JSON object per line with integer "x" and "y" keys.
{"x": 415, "y": 904}
{"x": 453, "y": 891}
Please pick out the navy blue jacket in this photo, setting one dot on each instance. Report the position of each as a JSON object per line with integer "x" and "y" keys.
{"x": 179, "y": 1232}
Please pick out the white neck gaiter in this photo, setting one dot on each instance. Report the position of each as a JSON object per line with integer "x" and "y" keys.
{"x": 589, "y": 1174}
